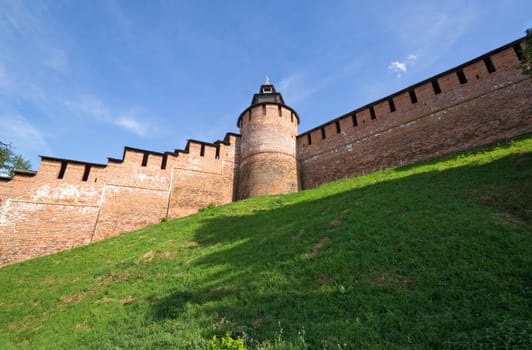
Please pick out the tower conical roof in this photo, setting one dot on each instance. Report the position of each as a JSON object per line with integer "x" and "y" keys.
{"x": 266, "y": 94}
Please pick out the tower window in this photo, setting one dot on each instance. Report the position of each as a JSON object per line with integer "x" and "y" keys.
{"x": 413, "y": 97}
{"x": 391, "y": 104}
{"x": 322, "y": 133}
{"x": 217, "y": 155}
{"x": 461, "y": 76}
{"x": 354, "y": 117}
{"x": 372, "y": 112}
{"x": 263, "y": 109}
{"x": 202, "y": 150}
{"x": 337, "y": 123}
{"x": 280, "y": 111}
{"x": 309, "y": 139}
{"x": 489, "y": 64}
{"x": 292, "y": 117}
{"x": 436, "y": 87}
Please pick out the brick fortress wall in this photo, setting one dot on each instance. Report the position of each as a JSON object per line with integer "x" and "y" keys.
{"x": 480, "y": 102}
{"x": 69, "y": 203}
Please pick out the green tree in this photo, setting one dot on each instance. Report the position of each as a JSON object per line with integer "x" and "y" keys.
{"x": 526, "y": 59}
{"x": 10, "y": 161}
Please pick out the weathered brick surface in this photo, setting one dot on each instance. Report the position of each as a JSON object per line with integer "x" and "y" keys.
{"x": 70, "y": 203}
{"x": 487, "y": 108}
{"x": 65, "y": 206}
{"x": 268, "y": 162}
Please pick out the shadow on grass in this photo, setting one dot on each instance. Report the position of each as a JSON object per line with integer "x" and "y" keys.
{"x": 406, "y": 263}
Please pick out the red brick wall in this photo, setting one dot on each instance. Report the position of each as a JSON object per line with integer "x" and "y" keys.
{"x": 43, "y": 214}
{"x": 267, "y": 151}
{"x": 487, "y": 108}
{"x": 64, "y": 206}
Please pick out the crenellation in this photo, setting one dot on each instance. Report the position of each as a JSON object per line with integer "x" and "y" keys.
{"x": 505, "y": 60}
{"x": 68, "y": 203}
{"x": 380, "y": 110}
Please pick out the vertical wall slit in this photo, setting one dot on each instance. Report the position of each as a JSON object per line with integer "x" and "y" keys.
{"x": 322, "y": 133}
{"x": 145, "y": 159}
{"x": 217, "y": 155}
{"x": 489, "y": 64}
{"x": 461, "y": 76}
{"x": 86, "y": 172}
{"x": 337, "y": 123}
{"x": 372, "y": 112}
{"x": 413, "y": 97}
{"x": 163, "y": 162}
{"x": 436, "y": 87}
{"x": 62, "y": 170}
{"x": 202, "y": 150}
{"x": 518, "y": 51}
{"x": 391, "y": 104}
{"x": 354, "y": 117}
{"x": 309, "y": 139}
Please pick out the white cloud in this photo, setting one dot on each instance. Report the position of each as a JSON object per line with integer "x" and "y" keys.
{"x": 26, "y": 139}
{"x": 131, "y": 123}
{"x": 88, "y": 106}
{"x": 92, "y": 107}
{"x": 399, "y": 67}
{"x": 431, "y": 28}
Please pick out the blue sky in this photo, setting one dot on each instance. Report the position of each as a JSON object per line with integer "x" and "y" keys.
{"x": 82, "y": 79}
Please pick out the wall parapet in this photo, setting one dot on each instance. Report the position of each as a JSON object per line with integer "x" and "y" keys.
{"x": 67, "y": 203}
{"x": 388, "y": 105}
{"x": 478, "y": 102}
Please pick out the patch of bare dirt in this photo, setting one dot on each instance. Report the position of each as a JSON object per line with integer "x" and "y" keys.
{"x": 316, "y": 248}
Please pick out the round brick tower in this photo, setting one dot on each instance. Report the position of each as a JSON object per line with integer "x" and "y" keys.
{"x": 268, "y": 162}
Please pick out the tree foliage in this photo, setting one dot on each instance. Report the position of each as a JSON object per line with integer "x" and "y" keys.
{"x": 526, "y": 60}
{"x": 10, "y": 161}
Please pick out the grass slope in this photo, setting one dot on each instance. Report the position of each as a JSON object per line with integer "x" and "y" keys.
{"x": 436, "y": 255}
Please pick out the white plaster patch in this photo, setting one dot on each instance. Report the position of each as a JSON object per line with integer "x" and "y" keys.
{"x": 63, "y": 192}
{"x": 43, "y": 192}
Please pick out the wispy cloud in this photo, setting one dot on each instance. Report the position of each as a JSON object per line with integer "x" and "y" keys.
{"x": 431, "y": 29}
{"x": 295, "y": 87}
{"x": 400, "y": 67}
{"x": 131, "y": 123}
{"x": 27, "y": 139}
{"x": 88, "y": 106}
{"x": 3, "y": 76}
{"x": 302, "y": 84}
{"x": 14, "y": 14}
{"x": 58, "y": 61}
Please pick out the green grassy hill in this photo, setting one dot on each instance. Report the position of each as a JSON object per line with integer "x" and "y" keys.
{"x": 435, "y": 255}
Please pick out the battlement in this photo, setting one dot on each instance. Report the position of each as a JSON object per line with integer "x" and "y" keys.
{"x": 68, "y": 203}
{"x": 282, "y": 111}
{"x": 437, "y": 92}
{"x": 478, "y": 102}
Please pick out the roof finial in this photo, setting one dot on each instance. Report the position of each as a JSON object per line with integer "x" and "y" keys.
{"x": 267, "y": 81}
